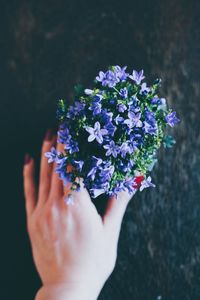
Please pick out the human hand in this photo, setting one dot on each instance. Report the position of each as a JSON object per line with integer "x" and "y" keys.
{"x": 74, "y": 248}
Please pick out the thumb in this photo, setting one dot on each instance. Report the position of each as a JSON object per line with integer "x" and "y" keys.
{"x": 114, "y": 212}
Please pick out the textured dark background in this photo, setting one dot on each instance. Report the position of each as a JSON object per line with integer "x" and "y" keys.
{"x": 46, "y": 47}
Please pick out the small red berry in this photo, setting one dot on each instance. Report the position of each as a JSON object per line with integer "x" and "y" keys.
{"x": 137, "y": 181}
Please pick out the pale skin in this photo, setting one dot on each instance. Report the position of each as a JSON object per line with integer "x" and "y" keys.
{"x": 74, "y": 248}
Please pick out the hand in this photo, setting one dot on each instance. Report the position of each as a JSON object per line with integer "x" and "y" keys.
{"x": 74, "y": 248}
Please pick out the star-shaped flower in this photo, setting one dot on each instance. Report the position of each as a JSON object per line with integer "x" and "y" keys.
{"x": 96, "y": 133}
{"x": 137, "y": 76}
{"x": 112, "y": 149}
{"x": 171, "y": 119}
{"x": 52, "y": 155}
{"x": 146, "y": 183}
{"x": 134, "y": 120}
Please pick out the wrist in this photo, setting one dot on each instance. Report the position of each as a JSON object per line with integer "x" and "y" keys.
{"x": 72, "y": 291}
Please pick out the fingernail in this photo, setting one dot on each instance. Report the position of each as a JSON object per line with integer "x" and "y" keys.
{"x": 27, "y": 159}
{"x": 49, "y": 135}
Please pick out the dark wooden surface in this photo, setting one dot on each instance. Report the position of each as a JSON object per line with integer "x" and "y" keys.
{"x": 46, "y": 47}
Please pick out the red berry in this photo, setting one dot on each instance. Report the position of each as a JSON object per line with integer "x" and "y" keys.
{"x": 138, "y": 180}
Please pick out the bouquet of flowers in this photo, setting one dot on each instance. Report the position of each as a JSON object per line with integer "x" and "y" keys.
{"x": 111, "y": 133}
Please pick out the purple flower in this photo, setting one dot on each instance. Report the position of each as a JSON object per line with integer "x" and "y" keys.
{"x": 134, "y": 120}
{"x": 106, "y": 173}
{"x": 128, "y": 184}
{"x": 133, "y": 146}
{"x": 146, "y": 183}
{"x": 71, "y": 146}
{"x": 75, "y": 109}
{"x": 160, "y": 102}
{"x": 155, "y": 100}
{"x": 52, "y": 155}
{"x": 112, "y": 149}
{"x": 96, "y": 133}
{"x": 63, "y": 136}
{"x": 98, "y": 98}
{"x": 150, "y": 124}
{"x": 92, "y": 173}
{"x": 78, "y": 106}
{"x": 103, "y": 185}
{"x": 124, "y": 149}
{"x": 61, "y": 170}
{"x": 137, "y": 138}
{"x": 133, "y": 101}
{"x": 101, "y": 76}
{"x": 121, "y": 107}
{"x": 106, "y": 116}
{"x": 108, "y": 79}
{"x": 78, "y": 164}
{"x": 119, "y": 186}
{"x": 62, "y": 163}
{"x": 111, "y": 128}
{"x": 96, "y": 163}
{"x": 171, "y": 119}
{"x": 120, "y": 72}
{"x": 118, "y": 119}
{"x": 137, "y": 76}
{"x": 144, "y": 89}
{"x": 134, "y": 104}
{"x": 150, "y": 117}
{"x": 96, "y": 108}
{"x": 64, "y": 176}
{"x": 123, "y": 93}
{"x": 151, "y": 129}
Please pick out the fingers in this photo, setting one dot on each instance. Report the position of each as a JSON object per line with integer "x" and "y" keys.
{"x": 30, "y": 192}
{"x": 45, "y": 167}
{"x": 115, "y": 210}
{"x": 56, "y": 190}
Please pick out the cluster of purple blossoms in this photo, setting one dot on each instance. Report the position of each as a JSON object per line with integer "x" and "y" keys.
{"x": 112, "y": 133}
{"x": 111, "y": 77}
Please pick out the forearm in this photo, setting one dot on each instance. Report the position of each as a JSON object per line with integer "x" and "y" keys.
{"x": 64, "y": 292}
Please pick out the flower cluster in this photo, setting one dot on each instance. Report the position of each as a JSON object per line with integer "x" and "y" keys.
{"x": 112, "y": 132}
